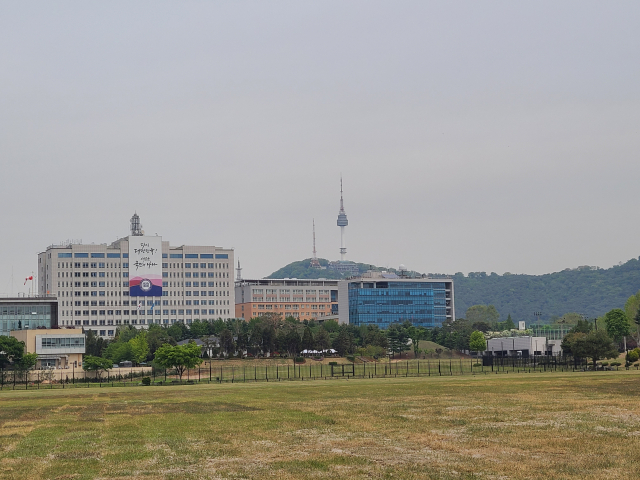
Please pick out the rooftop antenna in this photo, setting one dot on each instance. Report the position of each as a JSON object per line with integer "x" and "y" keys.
{"x": 314, "y": 261}
{"x": 238, "y": 272}
{"x": 342, "y": 222}
{"x": 136, "y": 227}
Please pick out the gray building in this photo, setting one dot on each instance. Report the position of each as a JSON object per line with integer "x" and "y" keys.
{"x": 522, "y": 346}
{"x": 91, "y": 283}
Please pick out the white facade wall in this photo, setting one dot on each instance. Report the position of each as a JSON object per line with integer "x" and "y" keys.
{"x": 91, "y": 284}
{"x": 510, "y": 345}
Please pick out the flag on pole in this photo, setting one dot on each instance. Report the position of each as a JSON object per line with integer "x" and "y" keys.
{"x": 139, "y": 305}
{"x": 30, "y": 277}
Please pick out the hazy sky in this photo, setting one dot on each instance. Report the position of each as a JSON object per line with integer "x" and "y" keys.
{"x": 471, "y": 136}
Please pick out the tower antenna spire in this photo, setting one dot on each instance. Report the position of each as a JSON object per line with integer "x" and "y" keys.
{"x": 238, "y": 272}
{"x": 342, "y": 222}
{"x": 314, "y": 261}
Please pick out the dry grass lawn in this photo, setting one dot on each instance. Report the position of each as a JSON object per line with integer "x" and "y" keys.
{"x": 553, "y": 425}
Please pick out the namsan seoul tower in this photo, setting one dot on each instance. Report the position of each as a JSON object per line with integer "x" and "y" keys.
{"x": 342, "y": 222}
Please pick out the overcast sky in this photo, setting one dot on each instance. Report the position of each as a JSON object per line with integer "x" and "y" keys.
{"x": 471, "y": 136}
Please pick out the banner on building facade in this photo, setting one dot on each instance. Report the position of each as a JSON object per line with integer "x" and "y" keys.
{"x": 145, "y": 266}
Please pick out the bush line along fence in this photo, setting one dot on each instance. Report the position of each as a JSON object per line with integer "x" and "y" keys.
{"x": 217, "y": 372}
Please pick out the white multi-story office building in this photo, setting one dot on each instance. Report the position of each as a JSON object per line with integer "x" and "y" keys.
{"x": 91, "y": 283}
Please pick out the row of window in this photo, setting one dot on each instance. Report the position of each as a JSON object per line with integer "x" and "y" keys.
{"x": 273, "y": 291}
{"x": 62, "y": 265}
{"x": 195, "y": 274}
{"x": 195, "y": 265}
{"x": 142, "y": 313}
{"x": 125, "y": 293}
{"x": 293, "y": 314}
{"x": 62, "y": 342}
{"x": 221, "y": 256}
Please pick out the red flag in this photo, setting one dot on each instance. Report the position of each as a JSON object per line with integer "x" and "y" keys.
{"x": 30, "y": 277}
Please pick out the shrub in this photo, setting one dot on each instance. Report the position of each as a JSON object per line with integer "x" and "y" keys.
{"x": 477, "y": 364}
{"x": 299, "y": 360}
{"x": 333, "y": 363}
{"x": 351, "y": 358}
{"x": 604, "y": 364}
{"x": 146, "y": 380}
{"x": 615, "y": 364}
{"x": 632, "y": 356}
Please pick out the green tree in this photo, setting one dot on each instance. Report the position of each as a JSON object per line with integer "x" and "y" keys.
{"x": 179, "y": 357}
{"x": 322, "y": 340}
{"x": 632, "y": 307}
{"x": 569, "y": 319}
{"x": 119, "y": 352}
{"x": 157, "y": 336}
{"x": 595, "y": 345}
{"x": 617, "y": 324}
{"x": 293, "y": 342}
{"x": 94, "y": 345}
{"x": 482, "y": 313}
{"x": 12, "y": 350}
{"x": 226, "y": 342}
{"x": 508, "y": 324}
{"x": 633, "y": 356}
{"x": 343, "y": 342}
{"x": 91, "y": 363}
{"x": 416, "y": 334}
{"x": 199, "y": 329}
{"x": 139, "y": 347}
{"x": 26, "y": 362}
{"x": 477, "y": 343}
{"x": 331, "y": 326}
{"x": 307, "y": 339}
{"x": 397, "y": 338}
{"x": 179, "y": 331}
{"x": 481, "y": 326}
{"x": 125, "y": 333}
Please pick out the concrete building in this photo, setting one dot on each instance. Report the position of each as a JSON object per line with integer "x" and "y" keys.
{"x": 380, "y": 298}
{"x": 92, "y": 282}
{"x": 28, "y": 313}
{"x": 554, "y": 335}
{"x": 302, "y": 299}
{"x": 524, "y": 346}
{"x": 56, "y": 348}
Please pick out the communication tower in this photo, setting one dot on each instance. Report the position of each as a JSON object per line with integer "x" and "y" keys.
{"x": 136, "y": 226}
{"x": 342, "y": 222}
{"x": 314, "y": 261}
{"x": 238, "y": 272}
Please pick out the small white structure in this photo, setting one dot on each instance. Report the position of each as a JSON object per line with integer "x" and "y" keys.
{"x": 525, "y": 346}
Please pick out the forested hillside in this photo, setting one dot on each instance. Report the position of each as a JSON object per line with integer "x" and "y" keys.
{"x": 584, "y": 290}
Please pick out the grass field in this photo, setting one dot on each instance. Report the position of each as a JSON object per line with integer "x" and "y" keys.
{"x": 553, "y": 425}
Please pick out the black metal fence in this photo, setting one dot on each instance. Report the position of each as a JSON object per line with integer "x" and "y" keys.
{"x": 221, "y": 372}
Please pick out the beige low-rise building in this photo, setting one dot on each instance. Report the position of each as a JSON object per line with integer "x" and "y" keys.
{"x": 56, "y": 348}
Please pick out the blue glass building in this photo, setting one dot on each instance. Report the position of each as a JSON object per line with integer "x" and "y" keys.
{"x": 383, "y": 301}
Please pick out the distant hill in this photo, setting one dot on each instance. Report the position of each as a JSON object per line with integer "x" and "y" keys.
{"x": 587, "y": 290}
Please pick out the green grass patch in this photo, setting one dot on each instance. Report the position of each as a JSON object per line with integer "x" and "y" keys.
{"x": 556, "y": 425}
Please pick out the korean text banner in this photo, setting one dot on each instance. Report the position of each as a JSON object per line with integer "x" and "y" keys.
{"x": 145, "y": 266}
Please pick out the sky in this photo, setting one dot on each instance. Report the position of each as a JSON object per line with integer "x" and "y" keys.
{"x": 470, "y": 136}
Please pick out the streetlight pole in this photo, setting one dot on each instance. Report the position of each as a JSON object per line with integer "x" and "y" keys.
{"x": 537, "y": 315}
